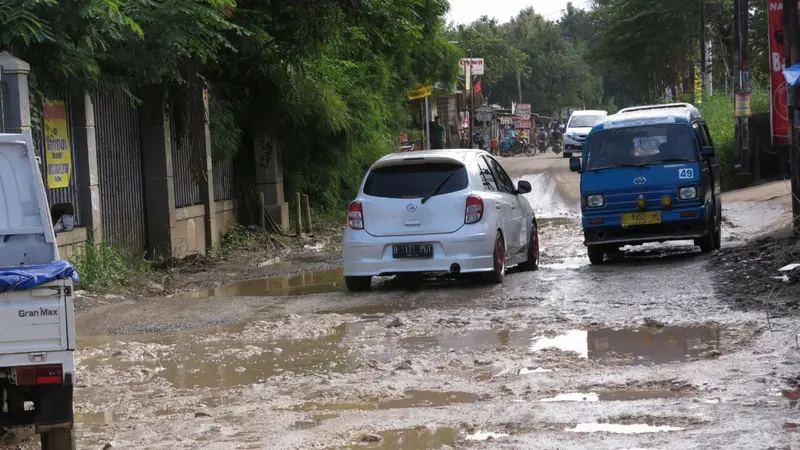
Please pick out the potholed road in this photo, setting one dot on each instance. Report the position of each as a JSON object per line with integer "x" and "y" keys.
{"x": 638, "y": 353}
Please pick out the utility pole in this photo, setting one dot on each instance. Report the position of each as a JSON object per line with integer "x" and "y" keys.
{"x": 468, "y": 81}
{"x": 519, "y": 86}
{"x": 792, "y": 55}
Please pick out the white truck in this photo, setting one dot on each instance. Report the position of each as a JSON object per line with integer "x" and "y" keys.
{"x": 37, "y": 318}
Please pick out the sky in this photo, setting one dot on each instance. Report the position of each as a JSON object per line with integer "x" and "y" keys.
{"x": 467, "y": 11}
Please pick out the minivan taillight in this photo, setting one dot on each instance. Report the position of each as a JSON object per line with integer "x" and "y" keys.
{"x": 355, "y": 216}
{"x": 474, "y": 210}
{"x": 34, "y": 375}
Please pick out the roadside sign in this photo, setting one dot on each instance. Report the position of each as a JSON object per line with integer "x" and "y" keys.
{"x": 523, "y": 109}
{"x": 420, "y": 92}
{"x": 475, "y": 64}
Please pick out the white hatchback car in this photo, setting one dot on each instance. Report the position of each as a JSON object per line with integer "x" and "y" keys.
{"x": 440, "y": 211}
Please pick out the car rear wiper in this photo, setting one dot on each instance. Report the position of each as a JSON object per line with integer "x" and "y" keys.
{"x": 438, "y": 188}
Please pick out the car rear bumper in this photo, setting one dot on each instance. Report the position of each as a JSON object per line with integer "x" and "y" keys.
{"x": 52, "y": 403}
{"x": 673, "y": 227}
{"x": 471, "y": 248}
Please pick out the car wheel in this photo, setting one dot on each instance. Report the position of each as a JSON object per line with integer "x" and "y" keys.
{"x": 718, "y": 235}
{"x": 358, "y": 284}
{"x": 533, "y": 251}
{"x": 499, "y": 259}
{"x": 596, "y": 254}
{"x": 58, "y": 440}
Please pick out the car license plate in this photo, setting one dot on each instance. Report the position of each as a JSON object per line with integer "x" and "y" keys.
{"x": 412, "y": 251}
{"x": 643, "y": 218}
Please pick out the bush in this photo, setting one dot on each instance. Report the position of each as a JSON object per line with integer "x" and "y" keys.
{"x": 102, "y": 267}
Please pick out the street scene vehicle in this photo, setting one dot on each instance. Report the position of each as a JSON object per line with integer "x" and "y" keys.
{"x": 453, "y": 212}
{"x": 578, "y": 127}
{"x": 649, "y": 174}
{"x": 37, "y": 322}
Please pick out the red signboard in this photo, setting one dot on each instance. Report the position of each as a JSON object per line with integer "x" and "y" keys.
{"x": 777, "y": 61}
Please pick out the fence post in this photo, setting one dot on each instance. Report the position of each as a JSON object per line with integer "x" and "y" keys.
{"x": 83, "y": 127}
{"x": 159, "y": 185}
{"x": 307, "y": 213}
{"x": 298, "y": 213}
{"x": 269, "y": 177}
{"x": 207, "y": 180}
{"x": 15, "y": 76}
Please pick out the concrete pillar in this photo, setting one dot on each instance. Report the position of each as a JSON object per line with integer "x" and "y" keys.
{"x": 206, "y": 181}
{"x": 269, "y": 178}
{"x": 18, "y": 110}
{"x": 83, "y": 129}
{"x": 159, "y": 186}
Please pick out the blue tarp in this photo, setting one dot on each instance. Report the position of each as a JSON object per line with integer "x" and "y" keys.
{"x": 28, "y": 277}
{"x": 792, "y": 75}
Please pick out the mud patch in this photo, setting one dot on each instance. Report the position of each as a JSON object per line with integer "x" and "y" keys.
{"x": 621, "y": 395}
{"x": 636, "y": 428}
{"x": 412, "y": 399}
{"x": 302, "y": 284}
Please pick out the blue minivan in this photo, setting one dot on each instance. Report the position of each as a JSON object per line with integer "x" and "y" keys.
{"x": 649, "y": 174}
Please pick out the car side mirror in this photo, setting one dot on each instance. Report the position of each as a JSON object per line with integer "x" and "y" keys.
{"x": 575, "y": 164}
{"x": 709, "y": 152}
{"x": 63, "y": 217}
{"x": 523, "y": 187}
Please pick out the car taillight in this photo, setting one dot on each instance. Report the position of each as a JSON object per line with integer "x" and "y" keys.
{"x": 34, "y": 375}
{"x": 474, "y": 210}
{"x": 355, "y": 216}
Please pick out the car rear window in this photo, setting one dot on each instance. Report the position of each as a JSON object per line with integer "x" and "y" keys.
{"x": 415, "y": 181}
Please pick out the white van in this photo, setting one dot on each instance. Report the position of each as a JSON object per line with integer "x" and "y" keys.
{"x": 37, "y": 317}
{"x": 579, "y": 125}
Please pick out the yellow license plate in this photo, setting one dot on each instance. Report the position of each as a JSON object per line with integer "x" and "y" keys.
{"x": 643, "y": 218}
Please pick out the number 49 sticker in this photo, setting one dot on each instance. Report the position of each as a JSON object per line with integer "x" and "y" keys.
{"x": 685, "y": 174}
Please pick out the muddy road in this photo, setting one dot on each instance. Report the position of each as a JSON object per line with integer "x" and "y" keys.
{"x": 638, "y": 353}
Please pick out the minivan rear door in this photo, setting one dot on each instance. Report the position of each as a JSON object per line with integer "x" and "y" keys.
{"x": 392, "y": 197}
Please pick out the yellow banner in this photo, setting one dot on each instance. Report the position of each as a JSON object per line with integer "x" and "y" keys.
{"x": 58, "y": 157}
{"x": 420, "y": 92}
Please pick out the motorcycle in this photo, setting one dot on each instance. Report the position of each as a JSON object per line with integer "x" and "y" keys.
{"x": 542, "y": 140}
{"x": 479, "y": 139}
{"x": 529, "y": 149}
{"x": 557, "y": 141}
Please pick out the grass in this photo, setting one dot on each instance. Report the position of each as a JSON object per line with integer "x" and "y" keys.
{"x": 718, "y": 113}
{"x": 237, "y": 238}
{"x": 103, "y": 268}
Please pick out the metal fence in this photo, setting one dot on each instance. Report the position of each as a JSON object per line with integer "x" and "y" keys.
{"x": 224, "y": 188}
{"x": 119, "y": 161}
{"x": 187, "y": 190}
{"x": 69, "y": 194}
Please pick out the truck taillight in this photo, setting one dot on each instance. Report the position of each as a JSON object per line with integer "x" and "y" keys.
{"x": 355, "y": 216}
{"x": 473, "y": 212}
{"x": 36, "y": 375}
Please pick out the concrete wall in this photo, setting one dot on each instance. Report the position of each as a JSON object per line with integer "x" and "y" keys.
{"x": 72, "y": 243}
{"x": 188, "y": 236}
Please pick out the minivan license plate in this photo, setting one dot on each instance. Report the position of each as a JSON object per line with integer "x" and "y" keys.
{"x": 412, "y": 251}
{"x": 643, "y": 218}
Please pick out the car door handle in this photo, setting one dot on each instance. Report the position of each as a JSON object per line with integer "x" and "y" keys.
{"x": 497, "y": 205}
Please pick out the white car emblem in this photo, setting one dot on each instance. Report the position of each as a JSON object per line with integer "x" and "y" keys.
{"x": 639, "y": 180}
{"x": 411, "y": 207}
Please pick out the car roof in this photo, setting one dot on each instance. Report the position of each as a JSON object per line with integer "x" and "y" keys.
{"x": 682, "y": 113}
{"x": 458, "y": 155}
{"x": 589, "y": 112}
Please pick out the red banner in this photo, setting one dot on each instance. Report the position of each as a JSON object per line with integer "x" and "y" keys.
{"x": 777, "y": 61}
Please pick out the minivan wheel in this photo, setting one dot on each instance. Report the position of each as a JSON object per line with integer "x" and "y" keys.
{"x": 58, "y": 440}
{"x": 358, "y": 284}
{"x": 499, "y": 258}
{"x": 596, "y": 254}
{"x": 533, "y": 251}
{"x": 707, "y": 242}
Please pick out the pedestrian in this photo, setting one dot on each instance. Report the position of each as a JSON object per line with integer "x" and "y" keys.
{"x": 438, "y": 134}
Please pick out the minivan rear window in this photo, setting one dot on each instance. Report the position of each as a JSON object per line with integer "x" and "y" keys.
{"x": 416, "y": 180}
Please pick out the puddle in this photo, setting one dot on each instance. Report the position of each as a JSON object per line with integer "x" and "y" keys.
{"x": 475, "y": 340}
{"x": 614, "y": 396}
{"x": 640, "y": 346}
{"x": 96, "y": 418}
{"x": 412, "y": 439}
{"x": 620, "y": 429}
{"x": 413, "y": 399}
{"x": 485, "y": 436}
{"x": 219, "y": 359}
{"x": 302, "y": 284}
{"x": 314, "y": 421}
{"x": 568, "y": 264}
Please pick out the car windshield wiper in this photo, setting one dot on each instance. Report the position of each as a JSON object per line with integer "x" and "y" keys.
{"x": 438, "y": 188}
{"x": 669, "y": 160}
{"x": 616, "y": 166}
